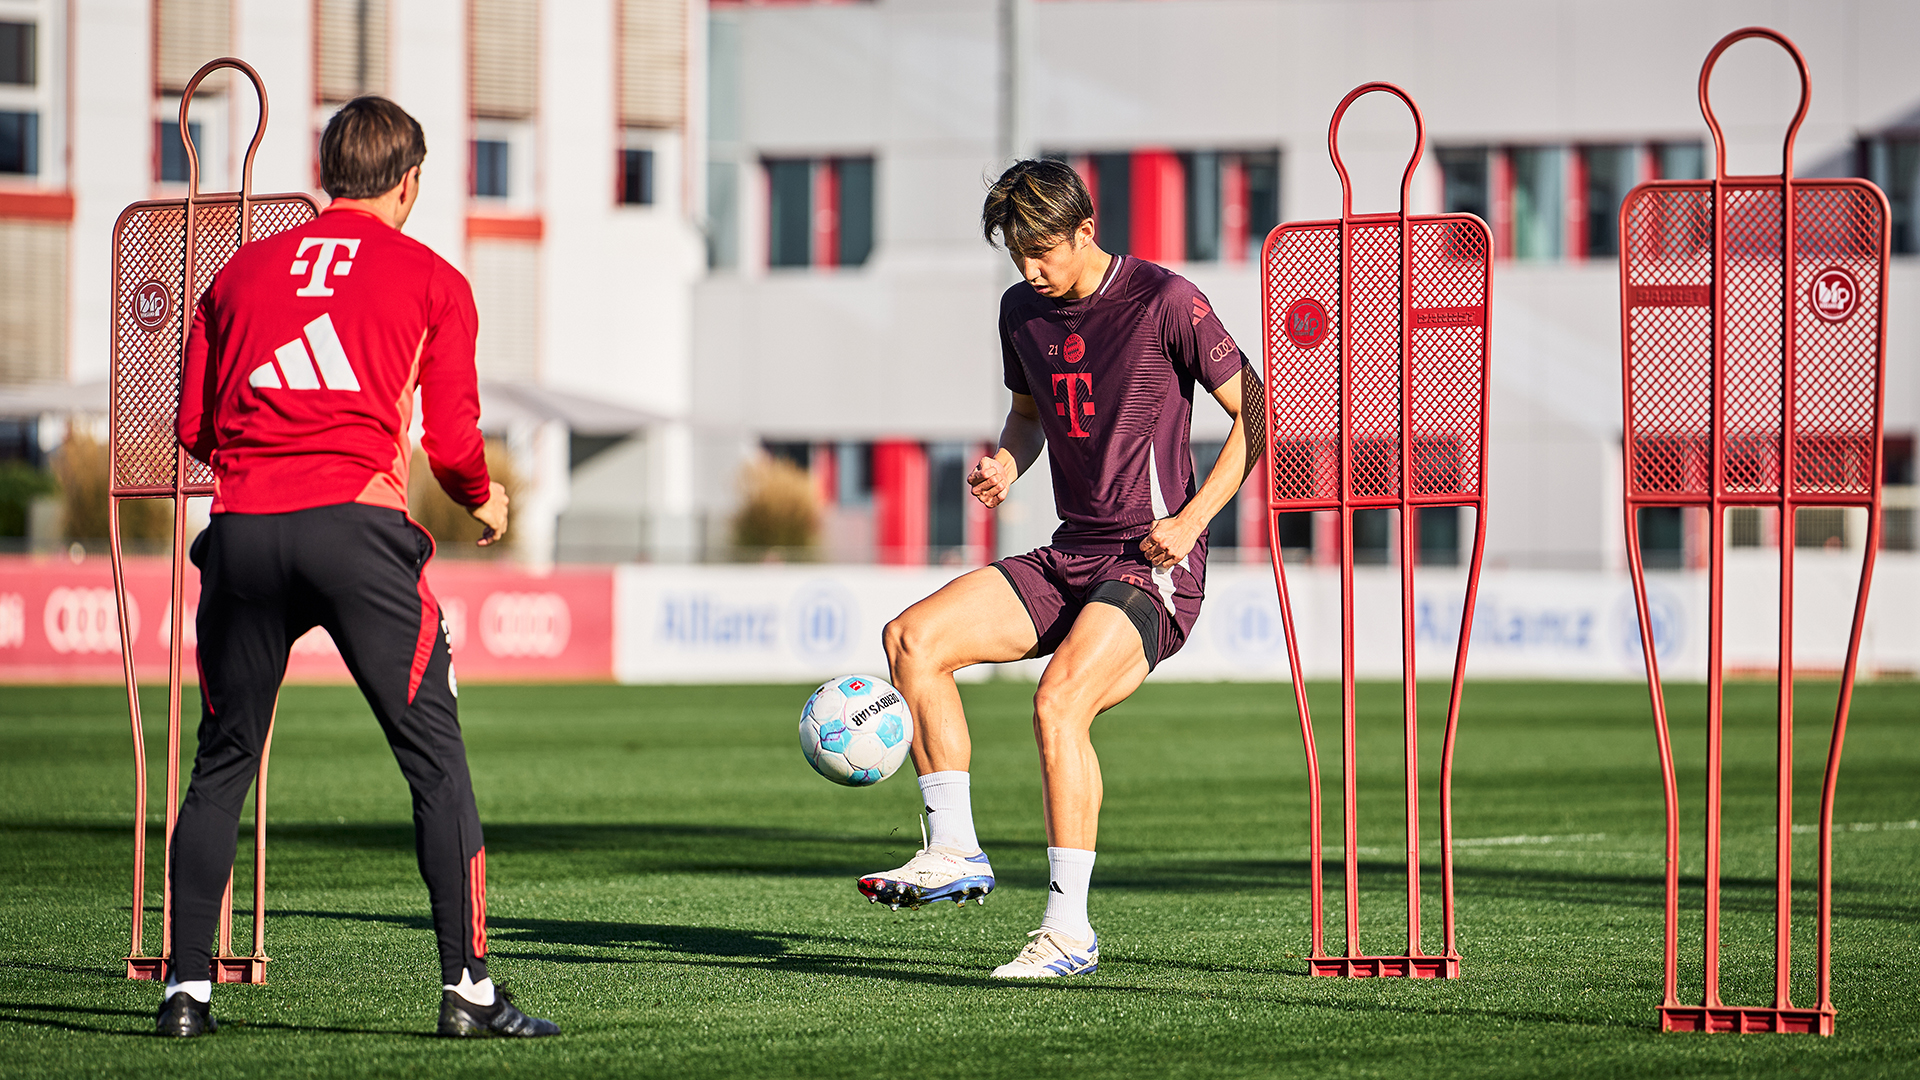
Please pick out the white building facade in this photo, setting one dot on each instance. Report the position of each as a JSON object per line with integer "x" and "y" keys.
{"x": 561, "y": 141}
{"x": 1200, "y": 123}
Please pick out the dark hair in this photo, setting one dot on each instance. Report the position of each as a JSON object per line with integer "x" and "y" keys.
{"x": 368, "y": 147}
{"x": 1035, "y": 205}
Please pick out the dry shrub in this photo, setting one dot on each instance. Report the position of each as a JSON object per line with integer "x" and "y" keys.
{"x": 449, "y": 522}
{"x": 81, "y": 467}
{"x": 779, "y": 510}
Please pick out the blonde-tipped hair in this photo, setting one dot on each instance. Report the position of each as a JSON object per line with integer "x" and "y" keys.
{"x": 1035, "y": 205}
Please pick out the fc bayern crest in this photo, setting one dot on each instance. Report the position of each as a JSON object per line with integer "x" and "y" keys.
{"x": 1074, "y": 348}
{"x": 152, "y": 303}
{"x": 1306, "y": 322}
{"x": 1835, "y": 295}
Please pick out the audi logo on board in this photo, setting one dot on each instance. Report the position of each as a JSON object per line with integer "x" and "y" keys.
{"x": 525, "y": 624}
{"x": 86, "y": 620}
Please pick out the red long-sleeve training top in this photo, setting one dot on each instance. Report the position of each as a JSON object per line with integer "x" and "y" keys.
{"x": 302, "y": 361}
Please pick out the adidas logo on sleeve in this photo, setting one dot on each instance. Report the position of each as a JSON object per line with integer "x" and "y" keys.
{"x": 305, "y": 370}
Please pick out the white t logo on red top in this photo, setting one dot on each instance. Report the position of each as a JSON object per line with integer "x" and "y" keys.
{"x": 322, "y": 263}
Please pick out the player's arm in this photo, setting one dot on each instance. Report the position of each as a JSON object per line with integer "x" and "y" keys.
{"x": 194, "y": 425}
{"x": 450, "y": 407}
{"x": 1171, "y": 538}
{"x": 1021, "y": 440}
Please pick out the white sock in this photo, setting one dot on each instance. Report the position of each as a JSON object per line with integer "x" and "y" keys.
{"x": 200, "y": 990}
{"x": 1069, "y": 873}
{"x": 479, "y": 993}
{"x": 948, "y": 797}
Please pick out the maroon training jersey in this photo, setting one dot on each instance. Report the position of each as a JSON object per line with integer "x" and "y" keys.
{"x": 1113, "y": 374}
{"x": 302, "y": 361}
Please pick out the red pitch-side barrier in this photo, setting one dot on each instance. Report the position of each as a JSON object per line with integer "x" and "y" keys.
{"x": 1752, "y": 331}
{"x": 1376, "y": 341}
{"x": 59, "y": 622}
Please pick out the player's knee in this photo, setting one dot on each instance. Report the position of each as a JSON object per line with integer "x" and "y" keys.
{"x": 910, "y": 643}
{"x": 1057, "y": 714}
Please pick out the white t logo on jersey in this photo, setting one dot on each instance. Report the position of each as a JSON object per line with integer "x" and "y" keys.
{"x": 322, "y": 263}
{"x": 299, "y": 366}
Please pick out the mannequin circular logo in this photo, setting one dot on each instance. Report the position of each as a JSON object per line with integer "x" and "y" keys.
{"x": 1306, "y": 322}
{"x": 1836, "y": 293}
{"x": 152, "y": 303}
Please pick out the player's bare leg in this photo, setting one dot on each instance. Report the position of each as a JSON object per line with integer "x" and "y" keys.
{"x": 977, "y": 618}
{"x": 1101, "y": 662}
{"x": 1096, "y": 667}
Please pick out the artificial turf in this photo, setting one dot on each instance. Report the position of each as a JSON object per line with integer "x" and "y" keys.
{"x": 671, "y": 883}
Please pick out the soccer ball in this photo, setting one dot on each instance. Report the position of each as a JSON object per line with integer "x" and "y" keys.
{"x": 855, "y": 730}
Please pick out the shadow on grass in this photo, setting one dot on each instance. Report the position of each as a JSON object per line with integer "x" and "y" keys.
{"x": 10, "y": 1012}
{"x": 679, "y": 848}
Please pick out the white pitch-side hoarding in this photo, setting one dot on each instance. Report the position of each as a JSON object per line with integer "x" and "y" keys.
{"x": 696, "y": 624}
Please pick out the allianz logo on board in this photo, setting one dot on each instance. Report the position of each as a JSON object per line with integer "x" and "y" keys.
{"x": 817, "y": 623}
{"x": 705, "y": 621}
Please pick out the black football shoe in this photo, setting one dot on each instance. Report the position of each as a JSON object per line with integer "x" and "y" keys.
{"x": 181, "y": 1017}
{"x": 461, "y": 1019}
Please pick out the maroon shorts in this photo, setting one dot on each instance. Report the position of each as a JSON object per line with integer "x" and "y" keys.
{"x": 1054, "y": 585}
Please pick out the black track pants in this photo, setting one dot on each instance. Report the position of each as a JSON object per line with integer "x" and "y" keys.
{"x": 266, "y": 579}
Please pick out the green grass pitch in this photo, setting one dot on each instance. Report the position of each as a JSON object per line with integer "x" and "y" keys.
{"x": 672, "y": 884}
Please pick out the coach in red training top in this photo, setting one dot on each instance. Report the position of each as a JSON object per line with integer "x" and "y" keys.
{"x": 301, "y": 367}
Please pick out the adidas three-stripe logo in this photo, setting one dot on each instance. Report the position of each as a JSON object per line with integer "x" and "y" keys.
{"x": 298, "y": 366}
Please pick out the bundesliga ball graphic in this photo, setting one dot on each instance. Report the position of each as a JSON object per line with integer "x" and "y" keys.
{"x": 855, "y": 730}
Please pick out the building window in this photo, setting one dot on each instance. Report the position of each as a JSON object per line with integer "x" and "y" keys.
{"x": 820, "y": 211}
{"x": 1372, "y": 537}
{"x": 1294, "y": 533}
{"x": 17, "y": 54}
{"x": 653, "y": 73}
{"x": 1539, "y": 198}
{"x": 33, "y": 300}
{"x": 350, "y": 48}
{"x": 1680, "y": 161}
{"x": 505, "y": 50}
{"x": 947, "y": 496}
{"x": 1894, "y": 164}
{"x": 853, "y": 473}
{"x": 723, "y": 216}
{"x": 1196, "y": 206}
{"x": 490, "y": 175}
{"x": 797, "y": 454}
{"x": 173, "y": 152}
{"x": 1820, "y": 527}
{"x": 189, "y": 33}
{"x": 790, "y": 217}
{"x": 1204, "y": 206}
{"x": 1439, "y": 529}
{"x": 1663, "y": 538}
{"x": 853, "y": 213}
{"x": 636, "y": 177}
{"x": 1464, "y": 181}
{"x": 1609, "y": 173}
{"x": 20, "y": 143}
{"x": 1112, "y": 176}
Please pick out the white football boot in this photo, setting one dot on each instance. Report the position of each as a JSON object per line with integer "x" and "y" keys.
{"x": 932, "y": 875}
{"x": 1050, "y": 954}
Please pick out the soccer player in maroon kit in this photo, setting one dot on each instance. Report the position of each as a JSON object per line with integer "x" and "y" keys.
{"x": 1101, "y": 353}
{"x": 301, "y": 367}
